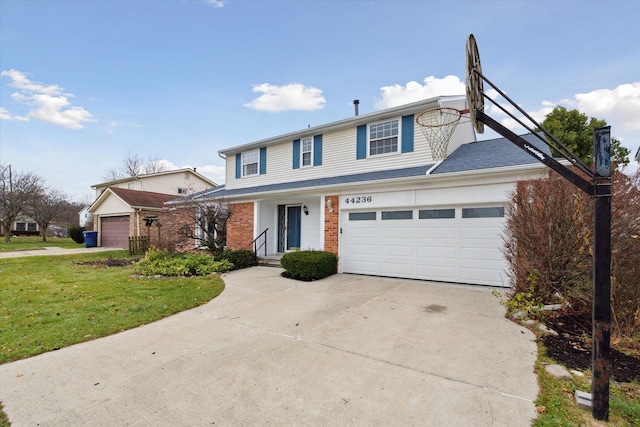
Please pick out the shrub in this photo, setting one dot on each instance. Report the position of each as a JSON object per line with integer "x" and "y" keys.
{"x": 76, "y": 234}
{"x": 164, "y": 263}
{"x": 309, "y": 265}
{"x": 240, "y": 258}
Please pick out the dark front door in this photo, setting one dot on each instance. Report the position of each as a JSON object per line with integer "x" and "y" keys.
{"x": 293, "y": 227}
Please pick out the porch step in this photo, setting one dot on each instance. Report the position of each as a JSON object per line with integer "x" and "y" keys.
{"x": 268, "y": 261}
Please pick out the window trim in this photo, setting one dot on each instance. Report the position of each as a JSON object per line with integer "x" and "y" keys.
{"x": 398, "y": 137}
{"x": 310, "y": 139}
{"x": 243, "y": 164}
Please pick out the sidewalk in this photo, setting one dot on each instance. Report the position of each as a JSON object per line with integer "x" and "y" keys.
{"x": 54, "y": 250}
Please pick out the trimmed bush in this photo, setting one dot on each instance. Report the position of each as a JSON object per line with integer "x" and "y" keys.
{"x": 240, "y": 258}
{"x": 76, "y": 234}
{"x": 161, "y": 262}
{"x": 309, "y": 265}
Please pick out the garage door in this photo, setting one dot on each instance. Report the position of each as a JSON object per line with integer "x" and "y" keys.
{"x": 114, "y": 232}
{"x": 462, "y": 245}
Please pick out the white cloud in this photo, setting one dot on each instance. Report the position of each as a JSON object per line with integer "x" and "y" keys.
{"x": 413, "y": 91}
{"x": 293, "y": 96}
{"x": 47, "y": 103}
{"x": 215, "y": 3}
{"x": 620, "y": 105}
{"x": 115, "y": 124}
{"x": 213, "y": 172}
{"x": 6, "y": 115}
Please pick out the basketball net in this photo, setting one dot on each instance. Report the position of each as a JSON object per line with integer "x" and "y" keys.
{"x": 438, "y": 124}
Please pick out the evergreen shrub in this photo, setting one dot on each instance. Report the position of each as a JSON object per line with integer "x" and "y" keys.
{"x": 309, "y": 265}
{"x": 76, "y": 234}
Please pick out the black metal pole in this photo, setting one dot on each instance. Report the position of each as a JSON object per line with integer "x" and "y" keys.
{"x": 601, "y": 332}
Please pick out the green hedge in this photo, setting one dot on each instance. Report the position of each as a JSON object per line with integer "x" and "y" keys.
{"x": 309, "y": 265}
{"x": 240, "y": 258}
{"x": 162, "y": 263}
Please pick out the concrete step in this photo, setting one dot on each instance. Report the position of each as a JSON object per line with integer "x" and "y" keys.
{"x": 269, "y": 261}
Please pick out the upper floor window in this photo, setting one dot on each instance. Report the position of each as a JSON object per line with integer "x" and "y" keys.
{"x": 250, "y": 161}
{"x": 182, "y": 190}
{"x": 307, "y": 152}
{"x": 384, "y": 137}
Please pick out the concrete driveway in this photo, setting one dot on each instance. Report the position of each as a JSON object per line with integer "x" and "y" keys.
{"x": 344, "y": 351}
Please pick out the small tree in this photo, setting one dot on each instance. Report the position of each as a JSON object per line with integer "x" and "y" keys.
{"x": 45, "y": 207}
{"x": 575, "y": 131}
{"x": 201, "y": 222}
{"x": 134, "y": 165}
{"x": 17, "y": 189}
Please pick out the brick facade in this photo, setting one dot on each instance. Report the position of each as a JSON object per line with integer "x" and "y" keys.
{"x": 240, "y": 226}
{"x": 331, "y": 225}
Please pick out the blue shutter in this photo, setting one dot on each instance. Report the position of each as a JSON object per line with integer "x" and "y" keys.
{"x": 239, "y": 165}
{"x": 407, "y": 134}
{"x": 263, "y": 160}
{"x": 296, "y": 154}
{"x": 361, "y": 146}
{"x": 317, "y": 150}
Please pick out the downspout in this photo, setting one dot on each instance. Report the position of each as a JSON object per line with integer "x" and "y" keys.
{"x": 138, "y": 222}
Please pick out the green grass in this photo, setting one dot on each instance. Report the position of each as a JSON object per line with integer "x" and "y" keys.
{"x": 49, "y": 302}
{"x": 556, "y": 396}
{"x": 27, "y": 243}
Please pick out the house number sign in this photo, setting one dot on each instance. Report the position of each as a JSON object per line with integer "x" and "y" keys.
{"x": 358, "y": 199}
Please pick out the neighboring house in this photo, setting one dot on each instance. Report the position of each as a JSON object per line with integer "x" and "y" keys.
{"x": 23, "y": 226}
{"x": 368, "y": 189}
{"x": 120, "y": 213}
{"x": 84, "y": 217}
{"x": 180, "y": 182}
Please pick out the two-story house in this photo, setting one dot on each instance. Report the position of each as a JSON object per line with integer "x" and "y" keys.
{"x": 368, "y": 189}
{"x": 121, "y": 206}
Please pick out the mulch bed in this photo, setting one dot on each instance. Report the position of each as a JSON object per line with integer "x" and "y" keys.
{"x": 572, "y": 347}
{"x": 110, "y": 262}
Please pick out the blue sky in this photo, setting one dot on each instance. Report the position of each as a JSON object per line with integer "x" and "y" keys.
{"x": 85, "y": 83}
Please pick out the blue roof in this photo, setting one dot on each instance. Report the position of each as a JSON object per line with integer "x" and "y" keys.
{"x": 473, "y": 156}
{"x": 492, "y": 153}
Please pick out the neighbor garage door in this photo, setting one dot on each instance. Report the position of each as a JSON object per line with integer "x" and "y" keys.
{"x": 462, "y": 245}
{"x": 114, "y": 231}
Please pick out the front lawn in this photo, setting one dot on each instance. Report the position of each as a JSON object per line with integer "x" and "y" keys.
{"x": 49, "y": 302}
{"x": 27, "y": 243}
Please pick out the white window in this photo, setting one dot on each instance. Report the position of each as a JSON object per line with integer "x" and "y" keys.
{"x": 250, "y": 162}
{"x": 384, "y": 137}
{"x": 307, "y": 152}
{"x": 182, "y": 190}
{"x": 130, "y": 186}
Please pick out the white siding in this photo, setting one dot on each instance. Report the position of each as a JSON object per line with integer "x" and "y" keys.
{"x": 339, "y": 158}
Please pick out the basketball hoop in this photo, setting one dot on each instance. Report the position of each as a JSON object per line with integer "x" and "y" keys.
{"x": 475, "y": 84}
{"x": 438, "y": 124}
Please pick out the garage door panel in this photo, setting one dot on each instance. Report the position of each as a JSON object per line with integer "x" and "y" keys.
{"x": 363, "y": 249}
{"x": 445, "y": 233}
{"x": 396, "y": 250}
{"x": 431, "y": 252}
{"x": 397, "y": 232}
{"x": 484, "y": 253}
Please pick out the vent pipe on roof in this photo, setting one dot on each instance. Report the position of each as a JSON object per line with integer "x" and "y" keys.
{"x": 355, "y": 104}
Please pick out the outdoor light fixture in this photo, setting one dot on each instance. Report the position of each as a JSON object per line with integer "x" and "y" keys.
{"x": 305, "y": 209}
{"x": 330, "y": 205}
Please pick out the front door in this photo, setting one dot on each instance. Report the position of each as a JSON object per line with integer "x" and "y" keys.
{"x": 293, "y": 227}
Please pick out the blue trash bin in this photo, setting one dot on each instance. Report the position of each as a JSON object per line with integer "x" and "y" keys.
{"x": 90, "y": 238}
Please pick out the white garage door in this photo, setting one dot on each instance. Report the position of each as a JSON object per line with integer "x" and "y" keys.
{"x": 462, "y": 245}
